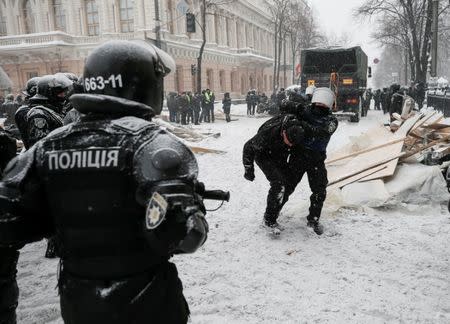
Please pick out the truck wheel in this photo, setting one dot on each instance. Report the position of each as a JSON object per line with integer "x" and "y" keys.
{"x": 354, "y": 118}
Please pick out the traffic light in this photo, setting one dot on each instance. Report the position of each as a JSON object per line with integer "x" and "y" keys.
{"x": 193, "y": 69}
{"x": 190, "y": 22}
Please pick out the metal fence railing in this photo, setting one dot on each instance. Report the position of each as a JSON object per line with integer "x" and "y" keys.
{"x": 440, "y": 100}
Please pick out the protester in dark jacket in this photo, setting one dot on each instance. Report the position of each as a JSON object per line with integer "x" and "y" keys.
{"x": 226, "y": 106}
{"x": 8, "y": 109}
{"x": 288, "y": 146}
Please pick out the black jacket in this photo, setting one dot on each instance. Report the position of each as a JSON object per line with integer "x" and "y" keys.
{"x": 287, "y": 137}
{"x": 270, "y": 141}
{"x": 226, "y": 105}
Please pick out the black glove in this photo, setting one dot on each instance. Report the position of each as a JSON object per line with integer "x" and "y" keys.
{"x": 196, "y": 233}
{"x": 249, "y": 173}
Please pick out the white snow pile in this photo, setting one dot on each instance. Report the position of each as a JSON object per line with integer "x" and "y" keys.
{"x": 413, "y": 184}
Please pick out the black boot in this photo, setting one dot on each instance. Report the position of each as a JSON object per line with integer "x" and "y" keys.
{"x": 313, "y": 222}
{"x": 52, "y": 248}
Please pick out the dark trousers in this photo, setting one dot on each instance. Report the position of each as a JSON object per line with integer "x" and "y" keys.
{"x": 211, "y": 111}
{"x": 196, "y": 116}
{"x": 190, "y": 116}
{"x": 283, "y": 180}
{"x": 184, "y": 115}
{"x": 9, "y": 291}
{"x": 172, "y": 116}
{"x": 153, "y": 297}
{"x": 249, "y": 109}
{"x": 205, "y": 115}
{"x": 253, "y": 107}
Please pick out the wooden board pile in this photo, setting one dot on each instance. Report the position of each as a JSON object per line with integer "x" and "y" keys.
{"x": 189, "y": 135}
{"x": 375, "y": 155}
{"x": 186, "y": 133}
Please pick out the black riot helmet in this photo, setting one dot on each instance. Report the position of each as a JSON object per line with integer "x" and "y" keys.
{"x": 31, "y": 87}
{"x": 53, "y": 89}
{"x": 132, "y": 70}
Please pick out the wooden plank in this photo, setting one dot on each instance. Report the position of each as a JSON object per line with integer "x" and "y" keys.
{"x": 356, "y": 178}
{"x": 431, "y": 144}
{"x": 370, "y": 149}
{"x": 386, "y": 172}
{"x": 365, "y": 168}
{"x": 202, "y": 150}
{"x": 436, "y": 126}
{"x": 423, "y": 120}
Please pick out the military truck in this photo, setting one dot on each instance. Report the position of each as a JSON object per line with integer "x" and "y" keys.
{"x": 344, "y": 70}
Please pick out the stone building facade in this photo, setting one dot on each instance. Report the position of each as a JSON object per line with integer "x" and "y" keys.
{"x": 39, "y": 37}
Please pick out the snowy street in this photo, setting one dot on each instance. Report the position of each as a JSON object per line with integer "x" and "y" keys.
{"x": 370, "y": 266}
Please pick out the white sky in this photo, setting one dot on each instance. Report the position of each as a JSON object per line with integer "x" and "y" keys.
{"x": 336, "y": 17}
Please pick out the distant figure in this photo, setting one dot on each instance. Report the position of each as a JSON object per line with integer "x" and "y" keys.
{"x": 226, "y": 106}
{"x": 8, "y": 110}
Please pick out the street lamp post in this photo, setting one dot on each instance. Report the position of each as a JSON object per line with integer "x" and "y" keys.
{"x": 434, "y": 39}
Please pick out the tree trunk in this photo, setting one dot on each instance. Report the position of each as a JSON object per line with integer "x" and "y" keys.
{"x": 421, "y": 74}
{"x": 280, "y": 48}
{"x": 202, "y": 47}
{"x": 284, "y": 63}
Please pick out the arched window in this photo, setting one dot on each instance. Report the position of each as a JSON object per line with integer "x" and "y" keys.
{"x": 59, "y": 15}
{"x": 92, "y": 17}
{"x": 3, "y": 30}
{"x": 28, "y": 17}
{"x": 126, "y": 15}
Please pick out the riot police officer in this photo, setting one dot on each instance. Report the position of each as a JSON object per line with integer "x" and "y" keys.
{"x": 131, "y": 203}
{"x": 52, "y": 91}
{"x": 21, "y": 113}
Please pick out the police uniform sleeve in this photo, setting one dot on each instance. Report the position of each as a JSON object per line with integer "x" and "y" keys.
{"x": 24, "y": 215}
{"x": 166, "y": 172}
{"x": 323, "y": 130}
{"x": 23, "y": 219}
{"x": 7, "y": 149}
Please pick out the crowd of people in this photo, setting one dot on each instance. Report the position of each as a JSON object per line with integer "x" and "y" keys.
{"x": 390, "y": 99}
{"x": 187, "y": 108}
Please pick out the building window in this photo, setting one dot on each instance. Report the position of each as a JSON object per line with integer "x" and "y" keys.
{"x": 243, "y": 87}
{"x": 222, "y": 80}
{"x": 217, "y": 29}
{"x": 92, "y": 17}
{"x": 126, "y": 16}
{"x": 31, "y": 74}
{"x": 234, "y": 81}
{"x": 179, "y": 79}
{"x": 227, "y": 31}
{"x": 170, "y": 16}
{"x": 28, "y": 17}
{"x": 59, "y": 15}
{"x": 210, "y": 79}
{"x": 3, "y": 31}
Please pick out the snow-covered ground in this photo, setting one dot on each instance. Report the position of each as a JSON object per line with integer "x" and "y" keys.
{"x": 370, "y": 266}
